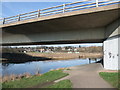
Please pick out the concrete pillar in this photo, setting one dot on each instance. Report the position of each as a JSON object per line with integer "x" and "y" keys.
{"x": 111, "y": 53}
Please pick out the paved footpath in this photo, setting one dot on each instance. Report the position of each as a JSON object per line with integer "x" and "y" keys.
{"x": 86, "y": 76}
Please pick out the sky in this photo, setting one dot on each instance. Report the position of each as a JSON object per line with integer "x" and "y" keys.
{"x": 12, "y": 7}
{"x": 77, "y": 45}
{"x": 15, "y": 8}
{"x": 63, "y": 45}
{"x": 39, "y": 0}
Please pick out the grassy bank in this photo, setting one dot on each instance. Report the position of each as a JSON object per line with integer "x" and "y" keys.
{"x": 62, "y": 84}
{"x": 63, "y": 56}
{"x": 112, "y": 78}
{"x": 35, "y": 80}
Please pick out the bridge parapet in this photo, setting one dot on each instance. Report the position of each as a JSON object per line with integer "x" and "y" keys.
{"x": 69, "y": 7}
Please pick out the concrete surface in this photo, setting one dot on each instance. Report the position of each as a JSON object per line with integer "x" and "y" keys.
{"x": 111, "y": 53}
{"x": 86, "y": 76}
{"x": 111, "y": 10}
{"x": 81, "y": 26}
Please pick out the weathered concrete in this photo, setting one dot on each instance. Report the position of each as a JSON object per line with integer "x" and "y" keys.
{"x": 83, "y": 35}
{"x": 112, "y": 29}
{"x": 110, "y": 10}
{"x": 111, "y": 46}
{"x": 82, "y": 26}
{"x": 86, "y": 76}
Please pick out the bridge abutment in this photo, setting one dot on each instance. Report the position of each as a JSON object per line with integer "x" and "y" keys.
{"x": 112, "y": 46}
{"x": 111, "y": 53}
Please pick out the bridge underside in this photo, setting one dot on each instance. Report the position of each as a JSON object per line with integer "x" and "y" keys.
{"x": 55, "y": 42}
{"x": 84, "y": 26}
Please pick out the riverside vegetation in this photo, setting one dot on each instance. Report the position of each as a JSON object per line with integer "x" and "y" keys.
{"x": 112, "y": 77}
{"x": 20, "y": 55}
{"x": 41, "y": 81}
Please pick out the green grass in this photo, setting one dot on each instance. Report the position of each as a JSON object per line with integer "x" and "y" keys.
{"x": 112, "y": 78}
{"x": 35, "y": 80}
{"x": 62, "y": 84}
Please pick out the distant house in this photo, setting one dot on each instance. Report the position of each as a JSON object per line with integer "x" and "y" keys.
{"x": 25, "y": 51}
{"x": 69, "y": 52}
{"x": 77, "y": 52}
{"x": 63, "y": 48}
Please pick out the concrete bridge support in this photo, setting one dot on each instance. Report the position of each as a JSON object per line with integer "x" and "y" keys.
{"x": 112, "y": 46}
{"x": 111, "y": 53}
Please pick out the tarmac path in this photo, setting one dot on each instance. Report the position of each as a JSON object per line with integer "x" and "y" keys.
{"x": 86, "y": 76}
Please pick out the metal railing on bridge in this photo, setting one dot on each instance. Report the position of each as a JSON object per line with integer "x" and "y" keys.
{"x": 79, "y": 5}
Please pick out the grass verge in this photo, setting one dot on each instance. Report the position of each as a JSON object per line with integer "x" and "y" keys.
{"x": 35, "y": 80}
{"x": 112, "y": 78}
{"x": 62, "y": 84}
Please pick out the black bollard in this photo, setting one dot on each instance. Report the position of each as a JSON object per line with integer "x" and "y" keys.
{"x": 95, "y": 59}
{"x": 89, "y": 60}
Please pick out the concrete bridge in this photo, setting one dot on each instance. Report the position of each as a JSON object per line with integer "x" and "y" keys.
{"x": 82, "y": 23}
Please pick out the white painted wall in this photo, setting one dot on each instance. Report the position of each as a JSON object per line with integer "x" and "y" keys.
{"x": 111, "y": 54}
{"x": 119, "y": 53}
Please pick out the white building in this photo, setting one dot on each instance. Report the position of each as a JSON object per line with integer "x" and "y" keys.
{"x": 111, "y": 53}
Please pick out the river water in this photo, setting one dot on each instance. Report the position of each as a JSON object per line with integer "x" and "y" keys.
{"x": 42, "y": 66}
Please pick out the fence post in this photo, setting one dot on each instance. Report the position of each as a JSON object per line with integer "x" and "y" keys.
{"x": 38, "y": 13}
{"x": 63, "y": 8}
{"x": 19, "y": 17}
{"x": 3, "y": 20}
{"x": 96, "y": 3}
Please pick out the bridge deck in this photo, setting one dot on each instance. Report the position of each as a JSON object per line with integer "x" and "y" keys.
{"x": 82, "y": 26}
{"x": 57, "y": 11}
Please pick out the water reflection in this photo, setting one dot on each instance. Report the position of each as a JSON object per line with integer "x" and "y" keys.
{"x": 41, "y": 66}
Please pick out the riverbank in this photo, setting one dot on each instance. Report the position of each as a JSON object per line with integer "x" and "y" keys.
{"x": 112, "y": 78}
{"x": 20, "y": 58}
{"x": 42, "y": 66}
{"x": 65, "y": 56}
{"x": 37, "y": 56}
{"x": 37, "y": 81}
